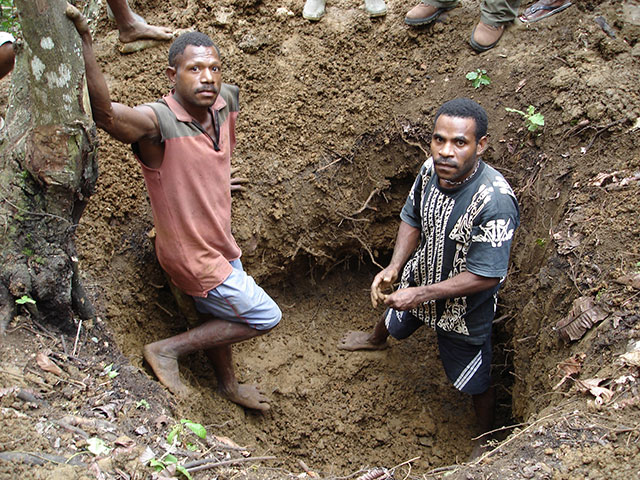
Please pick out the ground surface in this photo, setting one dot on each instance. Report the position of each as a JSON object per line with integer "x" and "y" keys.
{"x": 334, "y": 119}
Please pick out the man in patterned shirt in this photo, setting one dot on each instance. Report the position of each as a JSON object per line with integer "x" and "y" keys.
{"x": 452, "y": 251}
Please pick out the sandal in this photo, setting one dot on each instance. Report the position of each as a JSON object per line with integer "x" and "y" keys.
{"x": 530, "y": 14}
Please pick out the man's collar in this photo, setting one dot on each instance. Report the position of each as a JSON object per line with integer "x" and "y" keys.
{"x": 182, "y": 114}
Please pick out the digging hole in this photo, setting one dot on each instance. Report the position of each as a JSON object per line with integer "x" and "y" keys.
{"x": 340, "y": 411}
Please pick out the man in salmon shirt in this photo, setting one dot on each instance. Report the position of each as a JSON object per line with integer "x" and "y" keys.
{"x": 183, "y": 143}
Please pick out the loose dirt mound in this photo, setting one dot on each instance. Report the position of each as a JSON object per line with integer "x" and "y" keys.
{"x": 334, "y": 120}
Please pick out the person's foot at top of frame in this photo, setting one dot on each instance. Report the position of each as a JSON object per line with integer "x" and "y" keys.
{"x": 314, "y": 9}
{"x": 133, "y": 27}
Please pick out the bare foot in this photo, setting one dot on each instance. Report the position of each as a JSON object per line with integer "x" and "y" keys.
{"x": 142, "y": 31}
{"x": 480, "y": 447}
{"x": 166, "y": 369}
{"x": 356, "y": 340}
{"x": 247, "y": 396}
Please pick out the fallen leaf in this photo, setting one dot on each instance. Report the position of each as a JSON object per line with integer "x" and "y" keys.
{"x": 583, "y": 315}
{"x": 46, "y": 364}
{"x": 603, "y": 395}
{"x": 569, "y": 368}
{"x": 521, "y": 84}
{"x": 631, "y": 358}
{"x": 227, "y": 441}
{"x": 567, "y": 242}
{"x": 631, "y": 280}
{"x": 124, "y": 441}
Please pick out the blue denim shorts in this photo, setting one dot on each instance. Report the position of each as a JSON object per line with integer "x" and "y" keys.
{"x": 239, "y": 299}
{"x": 467, "y": 366}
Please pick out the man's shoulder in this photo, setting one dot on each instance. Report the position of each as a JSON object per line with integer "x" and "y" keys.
{"x": 231, "y": 95}
{"x": 494, "y": 179}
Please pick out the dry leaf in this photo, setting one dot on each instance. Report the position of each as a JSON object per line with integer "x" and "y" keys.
{"x": 631, "y": 358}
{"x": 569, "y": 368}
{"x": 46, "y": 364}
{"x": 583, "y": 315}
{"x": 632, "y": 280}
{"x": 124, "y": 441}
{"x": 603, "y": 395}
{"x": 567, "y": 242}
{"x": 227, "y": 441}
{"x": 521, "y": 84}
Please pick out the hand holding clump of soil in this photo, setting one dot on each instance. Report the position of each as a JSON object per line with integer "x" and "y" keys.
{"x": 382, "y": 285}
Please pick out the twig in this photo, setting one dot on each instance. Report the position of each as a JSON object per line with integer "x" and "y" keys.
{"x": 198, "y": 465}
{"x": 510, "y": 439}
{"x": 366, "y": 247}
{"x": 75, "y": 343}
{"x": 165, "y": 310}
{"x": 327, "y": 166}
{"x": 598, "y": 132}
{"x": 366, "y": 203}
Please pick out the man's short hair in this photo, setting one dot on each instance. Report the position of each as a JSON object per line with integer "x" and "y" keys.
{"x": 196, "y": 39}
{"x": 465, "y": 108}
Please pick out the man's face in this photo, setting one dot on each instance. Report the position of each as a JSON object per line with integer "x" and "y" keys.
{"x": 454, "y": 148}
{"x": 196, "y": 76}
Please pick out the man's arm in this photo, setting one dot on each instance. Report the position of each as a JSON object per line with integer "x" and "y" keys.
{"x": 406, "y": 242}
{"x": 461, "y": 285}
{"x": 129, "y": 125}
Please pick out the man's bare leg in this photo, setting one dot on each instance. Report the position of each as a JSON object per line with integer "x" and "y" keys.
{"x": 163, "y": 356}
{"x": 484, "y": 406}
{"x": 132, "y": 27}
{"x": 246, "y": 395}
{"x": 356, "y": 340}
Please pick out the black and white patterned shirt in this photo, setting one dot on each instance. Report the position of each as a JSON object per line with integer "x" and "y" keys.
{"x": 468, "y": 228}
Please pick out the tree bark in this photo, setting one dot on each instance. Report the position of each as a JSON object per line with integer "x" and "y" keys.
{"x": 48, "y": 168}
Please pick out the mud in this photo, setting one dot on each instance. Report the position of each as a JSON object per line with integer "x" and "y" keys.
{"x": 335, "y": 119}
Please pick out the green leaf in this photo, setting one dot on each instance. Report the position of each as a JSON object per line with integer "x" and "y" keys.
{"x": 97, "y": 446}
{"x": 195, "y": 428}
{"x": 157, "y": 465}
{"x": 173, "y": 434}
{"x": 25, "y": 299}
{"x": 142, "y": 404}
{"x": 183, "y": 471}
{"x": 169, "y": 459}
{"x": 537, "y": 119}
{"x": 472, "y": 75}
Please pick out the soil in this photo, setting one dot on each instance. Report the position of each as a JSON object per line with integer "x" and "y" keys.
{"x": 335, "y": 122}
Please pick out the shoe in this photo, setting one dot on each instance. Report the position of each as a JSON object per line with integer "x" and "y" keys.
{"x": 313, "y": 10}
{"x": 375, "y": 8}
{"x": 484, "y": 37}
{"x": 423, "y": 14}
{"x": 540, "y": 10}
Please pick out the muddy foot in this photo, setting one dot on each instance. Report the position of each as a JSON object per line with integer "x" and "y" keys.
{"x": 166, "y": 369}
{"x": 247, "y": 396}
{"x": 143, "y": 31}
{"x": 355, "y": 340}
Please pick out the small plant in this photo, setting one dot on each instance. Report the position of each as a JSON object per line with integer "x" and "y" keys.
{"x": 164, "y": 462}
{"x": 532, "y": 120}
{"x": 541, "y": 242}
{"x": 110, "y": 372}
{"x": 27, "y": 252}
{"x": 177, "y": 433}
{"x": 142, "y": 404}
{"x": 478, "y": 78}
{"x": 25, "y": 299}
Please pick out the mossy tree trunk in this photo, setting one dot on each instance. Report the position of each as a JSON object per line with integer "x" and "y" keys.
{"x": 47, "y": 168}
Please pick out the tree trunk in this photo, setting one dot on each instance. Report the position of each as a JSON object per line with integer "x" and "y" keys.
{"x": 48, "y": 168}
